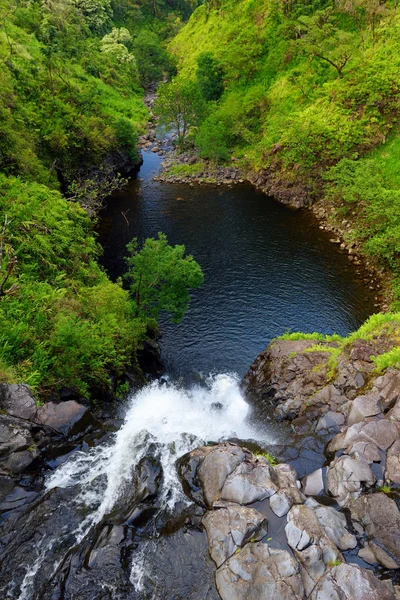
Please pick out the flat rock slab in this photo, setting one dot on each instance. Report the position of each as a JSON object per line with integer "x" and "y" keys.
{"x": 349, "y": 582}
{"x": 250, "y": 482}
{"x": 67, "y": 418}
{"x": 258, "y": 572}
{"x": 230, "y": 527}
{"x": 381, "y": 518}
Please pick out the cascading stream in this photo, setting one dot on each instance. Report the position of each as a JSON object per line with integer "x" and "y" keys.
{"x": 169, "y": 419}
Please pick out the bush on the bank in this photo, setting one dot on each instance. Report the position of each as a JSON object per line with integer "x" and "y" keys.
{"x": 363, "y": 183}
{"x": 161, "y": 278}
{"x": 65, "y": 323}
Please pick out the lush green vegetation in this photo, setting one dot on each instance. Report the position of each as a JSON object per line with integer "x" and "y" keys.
{"x": 382, "y": 324}
{"x": 161, "y": 277}
{"x": 311, "y": 93}
{"x": 71, "y": 111}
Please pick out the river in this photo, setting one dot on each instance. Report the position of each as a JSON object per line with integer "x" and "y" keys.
{"x": 268, "y": 269}
{"x": 108, "y": 520}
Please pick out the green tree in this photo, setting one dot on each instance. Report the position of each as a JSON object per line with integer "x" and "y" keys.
{"x": 180, "y": 106}
{"x": 152, "y": 59}
{"x": 210, "y": 76}
{"x": 115, "y": 45}
{"x": 319, "y": 37}
{"x": 214, "y": 139}
{"x": 161, "y": 277}
{"x": 96, "y": 13}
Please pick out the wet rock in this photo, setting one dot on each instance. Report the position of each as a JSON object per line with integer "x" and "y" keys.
{"x": 346, "y": 476}
{"x": 250, "y": 482}
{"x": 180, "y": 568}
{"x": 331, "y": 421}
{"x": 393, "y": 463}
{"x": 362, "y": 407}
{"x": 230, "y": 527}
{"x": 288, "y": 493}
{"x": 7, "y": 484}
{"x": 67, "y": 418}
{"x": 257, "y": 572}
{"x": 216, "y": 466}
{"x": 334, "y": 524}
{"x": 17, "y": 401}
{"x": 17, "y": 462}
{"x": 380, "y": 517}
{"x": 14, "y": 435}
{"x": 350, "y": 582}
{"x": 312, "y": 547}
{"x": 313, "y": 484}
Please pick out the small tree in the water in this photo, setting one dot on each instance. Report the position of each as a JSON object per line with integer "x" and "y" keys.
{"x": 161, "y": 277}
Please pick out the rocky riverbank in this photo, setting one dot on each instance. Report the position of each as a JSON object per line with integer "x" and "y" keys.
{"x": 322, "y": 388}
{"x": 189, "y": 168}
{"x": 270, "y": 538}
{"x": 282, "y": 530}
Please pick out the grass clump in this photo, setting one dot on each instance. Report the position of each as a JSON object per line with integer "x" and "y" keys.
{"x": 271, "y": 459}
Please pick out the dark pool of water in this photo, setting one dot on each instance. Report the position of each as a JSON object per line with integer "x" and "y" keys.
{"x": 268, "y": 269}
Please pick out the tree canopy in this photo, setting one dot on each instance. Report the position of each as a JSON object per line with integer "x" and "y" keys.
{"x": 161, "y": 277}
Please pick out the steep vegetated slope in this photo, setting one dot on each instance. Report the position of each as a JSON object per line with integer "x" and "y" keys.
{"x": 311, "y": 102}
{"x": 71, "y": 109}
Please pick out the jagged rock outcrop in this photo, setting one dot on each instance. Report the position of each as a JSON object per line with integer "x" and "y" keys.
{"x": 298, "y": 555}
{"x": 358, "y": 414}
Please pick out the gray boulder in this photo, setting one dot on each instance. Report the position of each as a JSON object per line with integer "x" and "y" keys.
{"x": 393, "y": 463}
{"x": 314, "y": 550}
{"x": 362, "y": 407}
{"x": 350, "y": 582}
{"x": 259, "y": 571}
{"x": 380, "y": 517}
{"x": 17, "y": 401}
{"x": 250, "y": 481}
{"x": 14, "y": 435}
{"x": 313, "y": 484}
{"x": 346, "y": 476}
{"x": 67, "y": 418}
{"x": 334, "y": 524}
{"x": 381, "y": 432}
{"x": 230, "y": 527}
{"x": 215, "y": 467}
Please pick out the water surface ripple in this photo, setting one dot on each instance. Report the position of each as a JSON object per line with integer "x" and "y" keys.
{"x": 268, "y": 269}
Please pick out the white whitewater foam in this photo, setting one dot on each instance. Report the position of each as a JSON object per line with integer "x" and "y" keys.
{"x": 173, "y": 421}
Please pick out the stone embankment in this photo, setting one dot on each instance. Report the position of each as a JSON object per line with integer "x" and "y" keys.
{"x": 270, "y": 539}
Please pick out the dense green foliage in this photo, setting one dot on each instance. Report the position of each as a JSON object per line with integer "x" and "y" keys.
{"x": 210, "y": 77}
{"x": 308, "y": 84}
{"x": 161, "y": 278}
{"x": 62, "y": 322}
{"x": 71, "y": 111}
{"x": 180, "y": 106}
